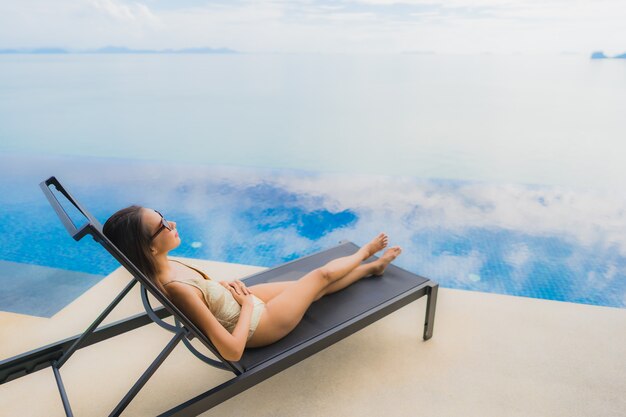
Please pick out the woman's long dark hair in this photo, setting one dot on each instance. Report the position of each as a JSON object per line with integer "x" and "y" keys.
{"x": 125, "y": 228}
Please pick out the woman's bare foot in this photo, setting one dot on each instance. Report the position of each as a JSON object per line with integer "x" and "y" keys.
{"x": 383, "y": 262}
{"x": 377, "y": 244}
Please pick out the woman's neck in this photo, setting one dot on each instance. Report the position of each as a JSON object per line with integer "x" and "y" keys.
{"x": 162, "y": 264}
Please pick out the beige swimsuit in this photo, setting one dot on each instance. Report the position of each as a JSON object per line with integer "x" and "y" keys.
{"x": 221, "y": 302}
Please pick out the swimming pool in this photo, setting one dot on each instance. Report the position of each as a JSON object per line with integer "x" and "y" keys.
{"x": 534, "y": 241}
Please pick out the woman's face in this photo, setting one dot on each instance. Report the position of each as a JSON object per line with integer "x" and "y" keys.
{"x": 164, "y": 240}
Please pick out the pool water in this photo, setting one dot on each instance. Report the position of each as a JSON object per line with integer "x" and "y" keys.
{"x": 535, "y": 241}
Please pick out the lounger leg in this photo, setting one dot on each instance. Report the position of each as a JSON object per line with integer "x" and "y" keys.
{"x": 431, "y": 305}
{"x": 66, "y": 402}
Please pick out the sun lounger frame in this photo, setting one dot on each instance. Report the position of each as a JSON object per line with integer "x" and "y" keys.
{"x": 56, "y": 354}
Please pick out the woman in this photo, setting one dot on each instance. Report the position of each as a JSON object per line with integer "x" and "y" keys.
{"x": 232, "y": 315}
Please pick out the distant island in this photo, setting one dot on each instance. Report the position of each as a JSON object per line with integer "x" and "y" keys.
{"x": 602, "y": 55}
{"x": 118, "y": 50}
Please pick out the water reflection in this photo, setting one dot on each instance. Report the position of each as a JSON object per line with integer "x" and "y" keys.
{"x": 534, "y": 241}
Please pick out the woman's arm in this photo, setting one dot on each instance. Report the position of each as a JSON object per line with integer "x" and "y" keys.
{"x": 231, "y": 346}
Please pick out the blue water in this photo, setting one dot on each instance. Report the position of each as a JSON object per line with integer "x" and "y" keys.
{"x": 494, "y": 174}
{"x": 470, "y": 235}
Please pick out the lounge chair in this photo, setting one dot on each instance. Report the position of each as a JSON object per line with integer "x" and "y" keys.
{"x": 327, "y": 321}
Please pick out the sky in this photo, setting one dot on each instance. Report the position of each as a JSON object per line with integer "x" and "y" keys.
{"x": 326, "y": 26}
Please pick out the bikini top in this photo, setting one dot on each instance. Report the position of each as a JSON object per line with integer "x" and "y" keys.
{"x": 219, "y": 300}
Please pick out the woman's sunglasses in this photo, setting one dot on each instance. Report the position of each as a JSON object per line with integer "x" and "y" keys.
{"x": 164, "y": 225}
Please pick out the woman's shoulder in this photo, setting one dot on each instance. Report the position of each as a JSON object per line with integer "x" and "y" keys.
{"x": 177, "y": 277}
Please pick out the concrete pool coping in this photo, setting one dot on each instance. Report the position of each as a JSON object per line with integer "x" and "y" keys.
{"x": 491, "y": 355}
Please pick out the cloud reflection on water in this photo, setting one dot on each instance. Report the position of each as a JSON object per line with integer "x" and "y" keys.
{"x": 527, "y": 240}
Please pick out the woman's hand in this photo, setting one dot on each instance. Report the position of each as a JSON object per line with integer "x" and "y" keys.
{"x": 237, "y": 285}
{"x": 239, "y": 291}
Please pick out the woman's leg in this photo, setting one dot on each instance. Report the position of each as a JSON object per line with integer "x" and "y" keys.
{"x": 285, "y": 310}
{"x": 372, "y": 268}
{"x": 269, "y": 290}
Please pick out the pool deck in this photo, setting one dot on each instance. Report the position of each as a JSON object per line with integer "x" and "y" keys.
{"x": 491, "y": 355}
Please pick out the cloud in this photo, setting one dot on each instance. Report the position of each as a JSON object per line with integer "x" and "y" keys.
{"x": 77, "y": 24}
{"x": 124, "y": 12}
{"x": 454, "y": 26}
{"x": 457, "y": 206}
